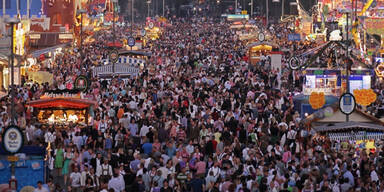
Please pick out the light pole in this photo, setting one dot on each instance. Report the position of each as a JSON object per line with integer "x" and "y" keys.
{"x": 81, "y": 11}
{"x": 267, "y": 14}
{"x": 148, "y": 2}
{"x": 282, "y": 9}
{"x": 251, "y": 9}
{"x": 235, "y": 6}
{"x": 132, "y": 20}
{"x": 113, "y": 20}
{"x": 132, "y": 16}
{"x": 163, "y": 7}
{"x": 12, "y": 22}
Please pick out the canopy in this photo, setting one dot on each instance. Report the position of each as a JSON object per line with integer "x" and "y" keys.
{"x": 136, "y": 52}
{"x": 262, "y": 48}
{"x": 349, "y": 126}
{"x": 39, "y": 52}
{"x": 62, "y": 103}
{"x": 264, "y": 43}
{"x": 114, "y": 44}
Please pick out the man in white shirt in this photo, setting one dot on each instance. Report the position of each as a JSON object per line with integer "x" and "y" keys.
{"x": 104, "y": 172}
{"x": 84, "y": 174}
{"x": 117, "y": 183}
{"x": 75, "y": 179}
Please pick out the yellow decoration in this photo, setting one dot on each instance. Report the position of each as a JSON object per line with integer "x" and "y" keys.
{"x": 364, "y": 97}
{"x": 317, "y": 100}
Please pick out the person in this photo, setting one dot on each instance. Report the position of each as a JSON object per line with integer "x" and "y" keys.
{"x": 197, "y": 184}
{"x": 147, "y": 147}
{"x": 116, "y": 183}
{"x": 59, "y": 158}
{"x": 75, "y": 179}
{"x": 105, "y": 171}
{"x": 166, "y": 187}
{"x": 68, "y": 158}
{"x": 40, "y": 187}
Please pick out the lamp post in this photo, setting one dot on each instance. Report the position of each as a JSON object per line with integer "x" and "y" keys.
{"x": 235, "y": 6}
{"x": 148, "y": 3}
{"x": 132, "y": 12}
{"x": 12, "y": 22}
{"x": 267, "y": 13}
{"x": 132, "y": 6}
{"x": 113, "y": 20}
{"x": 81, "y": 11}
{"x": 348, "y": 64}
{"x": 163, "y": 7}
{"x": 251, "y": 9}
{"x": 282, "y": 9}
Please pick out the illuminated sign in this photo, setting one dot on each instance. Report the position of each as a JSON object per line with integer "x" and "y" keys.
{"x": 34, "y": 36}
{"x": 66, "y": 36}
{"x": 237, "y": 17}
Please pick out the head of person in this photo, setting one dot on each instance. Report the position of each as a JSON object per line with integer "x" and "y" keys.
{"x": 39, "y": 184}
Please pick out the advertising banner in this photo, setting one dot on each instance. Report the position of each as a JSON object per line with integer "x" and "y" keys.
{"x": 374, "y": 25}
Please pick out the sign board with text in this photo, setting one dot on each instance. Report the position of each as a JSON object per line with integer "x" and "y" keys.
{"x": 13, "y": 139}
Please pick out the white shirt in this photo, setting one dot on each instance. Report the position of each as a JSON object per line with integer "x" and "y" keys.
{"x": 49, "y": 137}
{"x": 374, "y": 176}
{"x": 75, "y": 177}
{"x": 144, "y": 130}
{"x": 116, "y": 183}
{"x": 106, "y": 168}
{"x": 83, "y": 177}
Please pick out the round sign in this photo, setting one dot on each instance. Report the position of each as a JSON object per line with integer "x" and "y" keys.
{"x": 151, "y": 25}
{"x": 81, "y": 83}
{"x": 143, "y": 32}
{"x": 114, "y": 56}
{"x": 261, "y": 37}
{"x": 13, "y": 139}
{"x": 347, "y": 103}
{"x": 294, "y": 63}
{"x": 131, "y": 41}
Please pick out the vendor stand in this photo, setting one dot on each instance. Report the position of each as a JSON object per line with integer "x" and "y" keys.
{"x": 333, "y": 82}
{"x": 62, "y": 108}
{"x": 256, "y": 50}
{"x": 360, "y": 135}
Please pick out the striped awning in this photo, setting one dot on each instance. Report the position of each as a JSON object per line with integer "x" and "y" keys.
{"x": 349, "y": 126}
{"x": 49, "y": 49}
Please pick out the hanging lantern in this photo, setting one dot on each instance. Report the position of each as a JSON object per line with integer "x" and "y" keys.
{"x": 364, "y": 97}
{"x": 317, "y": 100}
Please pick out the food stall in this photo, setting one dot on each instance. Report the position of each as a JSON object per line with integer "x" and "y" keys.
{"x": 360, "y": 135}
{"x": 256, "y": 50}
{"x": 63, "y": 107}
{"x": 333, "y": 82}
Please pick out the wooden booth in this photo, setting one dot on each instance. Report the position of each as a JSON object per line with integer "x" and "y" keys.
{"x": 62, "y": 108}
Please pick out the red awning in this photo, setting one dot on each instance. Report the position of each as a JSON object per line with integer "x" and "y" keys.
{"x": 116, "y": 44}
{"x": 63, "y": 103}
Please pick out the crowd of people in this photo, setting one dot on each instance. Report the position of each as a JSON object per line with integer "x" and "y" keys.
{"x": 203, "y": 120}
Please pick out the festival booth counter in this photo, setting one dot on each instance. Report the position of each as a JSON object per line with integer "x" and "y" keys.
{"x": 360, "y": 135}
{"x": 257, "y": 49}
{"x": 63, "y": 107}
{"x": 333, "y": 82}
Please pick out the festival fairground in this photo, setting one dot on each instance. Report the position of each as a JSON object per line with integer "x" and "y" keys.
{"x": 191, "y": 96}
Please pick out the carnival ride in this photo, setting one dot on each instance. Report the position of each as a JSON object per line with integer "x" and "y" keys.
{"x": 353, "y": 48}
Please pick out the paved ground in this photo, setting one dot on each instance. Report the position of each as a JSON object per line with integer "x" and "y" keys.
{"x": 58, "y": 179}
